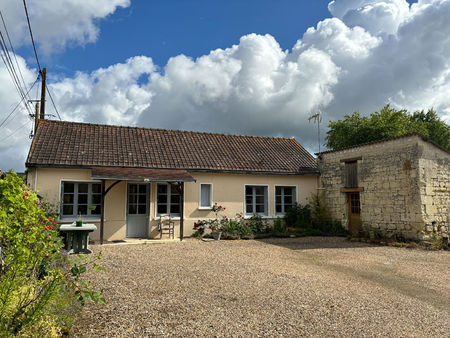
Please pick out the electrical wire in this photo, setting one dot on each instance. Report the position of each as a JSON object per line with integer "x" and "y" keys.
{"x": 7, "y": 117}
{"x": 31, "y": 35}
{"x": 53, "y": 102}
{"x": 15, "y": 131}
{"x": 12, "y": 49}
{"x": 6, "y": 58}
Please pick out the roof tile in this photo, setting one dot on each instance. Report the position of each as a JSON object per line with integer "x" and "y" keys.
{"x": 73, "y": 144}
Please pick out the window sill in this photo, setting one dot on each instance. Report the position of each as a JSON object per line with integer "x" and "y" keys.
{"x": 205, "y": 208}
{"x": 262, "y": 216}
{"x": 176, "y": 218}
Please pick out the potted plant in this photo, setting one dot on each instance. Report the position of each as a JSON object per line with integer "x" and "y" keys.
{"x": 79, "y": 221}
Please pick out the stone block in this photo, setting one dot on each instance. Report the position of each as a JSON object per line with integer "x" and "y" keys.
{"x": 392, "y": 226}
{"x": 430, "y": 209}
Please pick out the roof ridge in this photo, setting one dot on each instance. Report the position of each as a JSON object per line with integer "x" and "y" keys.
{"x": 164, "y": 129}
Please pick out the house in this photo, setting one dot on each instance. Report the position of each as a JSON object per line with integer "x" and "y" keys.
{"x": 123, "y": 178}
{"x": 398, "y": 187}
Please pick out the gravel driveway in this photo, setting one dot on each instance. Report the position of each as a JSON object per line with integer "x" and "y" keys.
{"x": 273, "y": 287}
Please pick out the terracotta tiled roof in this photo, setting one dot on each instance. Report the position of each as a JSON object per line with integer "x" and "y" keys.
{"x": 71, "y": 144}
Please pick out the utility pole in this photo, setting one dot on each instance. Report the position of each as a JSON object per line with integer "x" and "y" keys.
{"x": 36, "y": 117}
{"x": 44, "y": 86}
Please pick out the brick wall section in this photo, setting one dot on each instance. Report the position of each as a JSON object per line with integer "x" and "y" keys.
{"x": 406, "y": 187}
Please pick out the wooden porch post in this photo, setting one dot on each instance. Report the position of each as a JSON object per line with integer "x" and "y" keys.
{"x": 181, "y": 185}
{"x": 102, "y": 221}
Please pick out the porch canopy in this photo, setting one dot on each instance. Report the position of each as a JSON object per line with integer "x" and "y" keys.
{"x": 176, "y": 177}
{"x": 138, "y": 174}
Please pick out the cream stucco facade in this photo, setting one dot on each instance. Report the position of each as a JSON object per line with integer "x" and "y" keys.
{"x": 227, "y": 190}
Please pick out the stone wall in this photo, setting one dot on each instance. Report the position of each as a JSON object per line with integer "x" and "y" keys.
{"x": 405, "y": 183}
{"x": 434, "y": 183}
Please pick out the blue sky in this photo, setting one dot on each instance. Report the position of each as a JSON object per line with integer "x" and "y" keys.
{"x": 244, "y": 67}
{"x": 162, "y": 29}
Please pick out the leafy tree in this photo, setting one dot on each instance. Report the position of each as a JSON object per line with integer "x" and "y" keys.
{"x": 387, "y": 123}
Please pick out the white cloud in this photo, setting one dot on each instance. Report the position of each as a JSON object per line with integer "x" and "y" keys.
{"x": 108, "y": 95}
{"x": 15, "y": 129}
{"x": 373, "y": 15}
{"x": 255, "y": 87}
{"x": 57, "y": 23}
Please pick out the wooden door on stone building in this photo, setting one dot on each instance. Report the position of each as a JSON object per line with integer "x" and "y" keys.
{"x": 354, "y": 213}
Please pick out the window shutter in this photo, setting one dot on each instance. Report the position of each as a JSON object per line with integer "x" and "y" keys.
{"x": 351, "y": 174}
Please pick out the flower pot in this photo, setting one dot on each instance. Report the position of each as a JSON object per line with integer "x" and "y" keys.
{"x": 216, "y": 235}
{"x": 79, "y": 223}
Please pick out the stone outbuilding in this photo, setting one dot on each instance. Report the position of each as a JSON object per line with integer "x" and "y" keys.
{"x": 395, "y": 188}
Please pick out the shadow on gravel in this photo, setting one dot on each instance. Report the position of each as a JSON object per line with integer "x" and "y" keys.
{"x": 310, "y": 243}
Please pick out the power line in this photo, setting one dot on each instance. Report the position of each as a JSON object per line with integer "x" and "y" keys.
{"x": 12, "y": 72}
{"x": 12, "y": 49}
{"x": 7, "y": 60}
{"x": 53, "y": 102}
{"x": 7, "y": 117}
{"x": 31, "y": 35}
{"x": 15, "y": 131}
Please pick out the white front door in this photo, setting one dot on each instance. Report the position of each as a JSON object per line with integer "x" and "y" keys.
{"x": 138, "y": 210}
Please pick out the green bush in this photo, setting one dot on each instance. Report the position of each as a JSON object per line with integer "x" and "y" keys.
{"x": 298, "y": 216}
{"x": 34, "y": 273}
{"x": 278, "y": 226}
{"x": 257, "y": 225}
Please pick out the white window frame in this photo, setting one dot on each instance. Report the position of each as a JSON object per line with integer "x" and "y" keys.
{"x": 275, "y": 197}
{"x": 211, "y": 199}
{"x": 68, "y": 218}
{"x": 169, "y": 191}
{"x": 267, "y": 201}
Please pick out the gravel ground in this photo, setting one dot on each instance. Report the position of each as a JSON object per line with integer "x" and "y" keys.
{"x": 274, "y": 287}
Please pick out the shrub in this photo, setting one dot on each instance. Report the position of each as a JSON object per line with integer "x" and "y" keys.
{"x": 199, "y": 228}
{"x": 278, "y": 226}
{"x": 34, "y": 274}
{"x": 257, "y": 225}
{"x": 319, "y": 209}
{"x": 298, "y": 216}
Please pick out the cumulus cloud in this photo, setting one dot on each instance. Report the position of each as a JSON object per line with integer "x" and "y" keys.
{"x": 57, "y": 23}
{"x": 373, "y": 15}
{"x": 108, "y": 95}
{"x": 16, "y": 128}
{"x": 369, "y": 54}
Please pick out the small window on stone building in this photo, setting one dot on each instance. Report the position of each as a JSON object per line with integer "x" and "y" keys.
{"x": 351, "y": 174}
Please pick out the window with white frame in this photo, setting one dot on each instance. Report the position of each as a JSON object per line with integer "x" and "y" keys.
{"x": 80, "y": 198}
{"x": 167, "y": 200}
{"x": 256, "y": 201}
{"x": 285, "y": 197}
{"x": 205, "y": 195}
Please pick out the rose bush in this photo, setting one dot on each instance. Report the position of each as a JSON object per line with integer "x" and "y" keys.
{"x": 37, "y": 278}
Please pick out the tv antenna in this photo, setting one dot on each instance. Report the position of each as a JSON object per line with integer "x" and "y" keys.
{"x": 317, "y": 117}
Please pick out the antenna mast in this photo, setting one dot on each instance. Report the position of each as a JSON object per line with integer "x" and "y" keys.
{"x": 317, "y": 118}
